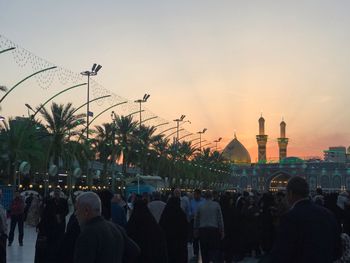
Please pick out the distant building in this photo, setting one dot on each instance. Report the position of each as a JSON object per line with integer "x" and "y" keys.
{"x": 235, "y": 152}
{"x": 335, "y": 154}
{"x": 330, "y": 174}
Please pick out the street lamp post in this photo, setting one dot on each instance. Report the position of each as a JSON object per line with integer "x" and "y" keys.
{"x": 200, "y": 138}
{"x": 177, "y": 127}
{"x": 95, "y": 68}
{"x": 216, "y": 143}
{"x": 140, "y": 101}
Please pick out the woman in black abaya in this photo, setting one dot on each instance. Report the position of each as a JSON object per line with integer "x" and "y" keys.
{"x": 175, "y": 225}
{"x": 148, "y": 235}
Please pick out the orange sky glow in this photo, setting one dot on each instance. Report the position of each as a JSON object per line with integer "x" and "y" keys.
{"x": 221, "y": 63}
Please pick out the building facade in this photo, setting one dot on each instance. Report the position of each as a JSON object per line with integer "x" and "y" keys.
{"x": 330, "y": 174}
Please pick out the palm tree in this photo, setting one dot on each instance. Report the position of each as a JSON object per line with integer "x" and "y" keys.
{"x": 143, "y": 141}
{"x": 185, "y": 150}
{"x": 124, "y": 130}
{"x": 161, "y": 154}
{"x": 61, "y": 123}
{"x": 19, "y": 141}
{"x": 104, "y": 143}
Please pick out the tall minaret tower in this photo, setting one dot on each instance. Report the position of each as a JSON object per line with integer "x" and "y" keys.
{"x": 283, "y": 141}
{"x": 261, "y": 140}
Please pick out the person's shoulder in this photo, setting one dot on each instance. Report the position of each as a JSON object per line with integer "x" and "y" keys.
{"x": 116, "y": 231}
{"x": 307, "y": 208}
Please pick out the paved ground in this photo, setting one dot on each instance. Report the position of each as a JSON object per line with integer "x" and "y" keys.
{"x": 25, "y": 254}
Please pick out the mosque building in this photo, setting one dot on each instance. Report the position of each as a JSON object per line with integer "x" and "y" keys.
{"x": 330, "y": 174}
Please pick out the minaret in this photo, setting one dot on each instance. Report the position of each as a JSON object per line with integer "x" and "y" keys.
{"x": 261, "y": 140}
{"x": 283, "y": 141}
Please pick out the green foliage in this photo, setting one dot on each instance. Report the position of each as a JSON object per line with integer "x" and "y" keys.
{"x": 57, "y": 140}
{"x": 19, "y": 141}
{"x": 61, "y": 124}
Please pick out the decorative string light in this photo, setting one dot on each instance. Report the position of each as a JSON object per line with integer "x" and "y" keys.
{"x": 23, "y": 57}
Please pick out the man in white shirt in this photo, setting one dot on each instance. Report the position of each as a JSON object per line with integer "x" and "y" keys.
{"x": 209, "y": 226}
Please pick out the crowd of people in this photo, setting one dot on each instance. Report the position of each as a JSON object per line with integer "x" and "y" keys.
{"x": 294, "y": 226}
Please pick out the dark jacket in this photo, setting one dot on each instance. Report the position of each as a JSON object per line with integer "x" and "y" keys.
{"x": 17, "y": 206}
{"x": 99, "y": 242}
{"x": 307, "y": 233}
{"x": 59, "y": 210}
{"x": 118, "y": 214}
{"x": 66, "y": 253}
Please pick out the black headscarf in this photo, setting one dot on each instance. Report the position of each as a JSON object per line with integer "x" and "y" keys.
{"x": 173, "y": 220}
{"x": 144, "y": 230}
{"x": 175, "y": 225}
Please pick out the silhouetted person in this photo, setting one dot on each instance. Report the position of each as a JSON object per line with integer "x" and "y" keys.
{"x": 148, "y": 235}
{"x": 209, "y": 227}
{"x": 195, "y": 203}
{"x": 267, "y": 229}
{"x": 100, "y": 241}
{"x": 307, "y": 232}
{"x": 175, "y": 225}
{"x": 46, "y": 243}
{"x": 118, "y": 215}
{"x": 17, "y": 218}
{"x": 66, "y": 253}
{"x": 156, "y": 207}
{"x": 3, "y": 232}
{"x": 106, "y": 197}
{"x": 51, "y": 227}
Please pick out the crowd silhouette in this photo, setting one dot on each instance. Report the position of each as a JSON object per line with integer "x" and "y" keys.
{"x": 290, "y": 226}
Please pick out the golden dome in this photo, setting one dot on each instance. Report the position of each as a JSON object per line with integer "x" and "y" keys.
{"x": 236, "y": 152}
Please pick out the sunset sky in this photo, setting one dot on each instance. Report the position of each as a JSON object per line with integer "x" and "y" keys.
{"x": 221, "y": 63}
